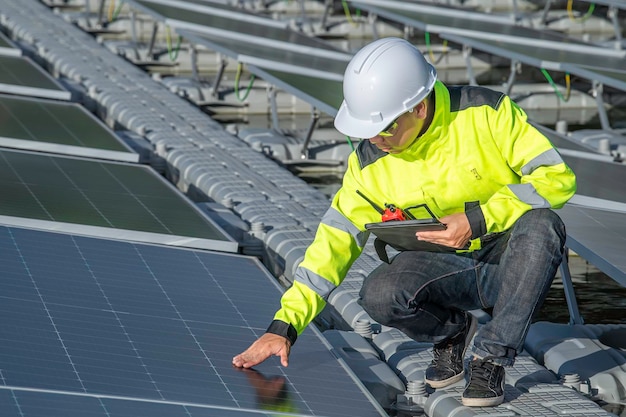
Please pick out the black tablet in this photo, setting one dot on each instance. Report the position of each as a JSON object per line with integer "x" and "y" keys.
{"x": 401, "y": 234}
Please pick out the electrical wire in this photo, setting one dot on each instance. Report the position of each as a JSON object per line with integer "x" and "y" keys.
{"x": 173, "y": 54}
{"x": 346, "y": 10}
{"x": 430, "y": 50}
{"x": 237, "y": 78}
{"x": 568, "y": 86}
{"x": 587, "y": 15}
{"x": 114, "y": 11}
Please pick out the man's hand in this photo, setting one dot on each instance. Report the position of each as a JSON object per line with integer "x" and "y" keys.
{"x": 267, "y": 345}
{"x": 456, "y": 235}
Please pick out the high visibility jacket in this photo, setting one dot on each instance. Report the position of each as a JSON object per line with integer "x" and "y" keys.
{"x": 479, "y": 156}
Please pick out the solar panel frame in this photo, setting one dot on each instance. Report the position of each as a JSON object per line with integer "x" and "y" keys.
{"x": 20, "y": 75}
{"x": 118, "y": 329}
{"x": 8, "y": 47}
{"x": 63, "y": 127}
{"x": 102, "y": 198}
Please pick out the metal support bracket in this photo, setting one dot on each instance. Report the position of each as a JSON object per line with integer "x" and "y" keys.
{"x": 315, "y": 117}
{"x": 467, "y": 54}
{"x": 598, "y": 92}
{"x": 568, "y": 288}
{"x": 515, "y": 66}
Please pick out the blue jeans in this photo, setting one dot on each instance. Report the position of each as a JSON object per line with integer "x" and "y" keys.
{"x": 426, "y": 294}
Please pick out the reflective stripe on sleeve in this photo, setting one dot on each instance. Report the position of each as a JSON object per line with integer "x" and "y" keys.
{"x": 334, "y": 218}
{"x": 316, "y": 283}
{"x": 548, "y": 158}
{"x": 529, "y": 195}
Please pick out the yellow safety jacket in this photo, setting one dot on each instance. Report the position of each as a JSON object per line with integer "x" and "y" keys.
{"x": 479, "y": 156}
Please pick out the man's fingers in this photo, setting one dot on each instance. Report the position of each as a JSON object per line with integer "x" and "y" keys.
{"x": 248, "y": 359}
{"x": 284, "y": 357}
{"x": 266, "y": 346}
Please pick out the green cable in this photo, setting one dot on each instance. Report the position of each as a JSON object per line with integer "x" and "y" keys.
{"x": 237, "y": 77}
{"x": 173, "y": 54}
{"x": 553, "y": 84}
{"x": 117, "y": 11}
{"x": 350, "y": 142}
{"x": 586, "y": 16}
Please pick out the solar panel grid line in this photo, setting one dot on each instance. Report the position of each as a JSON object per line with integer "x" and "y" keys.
{"x": 187, "y": 327}
{"x": 21, "y": 258}
{"x": 115, "y": 314}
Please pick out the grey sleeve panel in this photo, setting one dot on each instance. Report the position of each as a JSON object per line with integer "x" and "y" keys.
{"x": 283, "y": 329}
{"x": 548, "y": 158}
{"x": 476, "y": 220}
{"x": 529, "y": 195}
{"x": 315, "y": 282}
{"x": 337, "y": 220}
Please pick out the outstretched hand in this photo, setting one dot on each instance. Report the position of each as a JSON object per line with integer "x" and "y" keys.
{"x": 265, "y": 346}
{"x": 456, "y": 235}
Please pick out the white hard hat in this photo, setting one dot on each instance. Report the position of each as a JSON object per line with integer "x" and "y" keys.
{"x": 384, "y": 79}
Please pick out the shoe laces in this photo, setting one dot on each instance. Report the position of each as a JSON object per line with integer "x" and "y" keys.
{"x": 483, "y": 372}
{"x": 443, "y": 353}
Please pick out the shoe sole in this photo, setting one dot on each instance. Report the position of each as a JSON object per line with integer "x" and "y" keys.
{"x": 445, "y": 382}
{"x": 482, "y": 402}
{"x": 457, "y": 377}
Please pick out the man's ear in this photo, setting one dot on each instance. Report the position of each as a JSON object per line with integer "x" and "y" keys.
{"x": 421, "y": 110}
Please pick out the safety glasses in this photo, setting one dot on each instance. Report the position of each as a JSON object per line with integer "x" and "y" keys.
{"x": 390, "y": 130}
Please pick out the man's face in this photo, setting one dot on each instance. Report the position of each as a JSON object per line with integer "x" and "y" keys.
{"x": 403, "y": 132}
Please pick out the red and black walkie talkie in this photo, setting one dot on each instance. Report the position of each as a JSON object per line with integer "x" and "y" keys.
{"x": 390, "y": 213}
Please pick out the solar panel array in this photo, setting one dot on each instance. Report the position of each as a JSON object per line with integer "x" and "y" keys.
{"x": 94, "y": 327}
{"x": 306, "y": 67}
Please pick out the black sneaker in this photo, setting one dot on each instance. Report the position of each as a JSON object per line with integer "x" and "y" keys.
{"x": 486, "y": 384}
{"x": 447, "y": 365}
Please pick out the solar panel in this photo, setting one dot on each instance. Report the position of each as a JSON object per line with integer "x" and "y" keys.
{"x": 599, "y": 236}
{"x": 106, "y": 199}
{"x": 20, "y": 75}
{"x": 297, "y": 59}
{"x": 324, "y": 94}
{"x": 231, "y": 19}
{"x": 62, "y": 127}
{"x": 94, "y": 327}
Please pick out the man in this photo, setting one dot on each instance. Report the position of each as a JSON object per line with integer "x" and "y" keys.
{"x": 469, "y": 155}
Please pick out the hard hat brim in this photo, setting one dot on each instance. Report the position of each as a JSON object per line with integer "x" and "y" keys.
{"x": 357, "y": 128}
